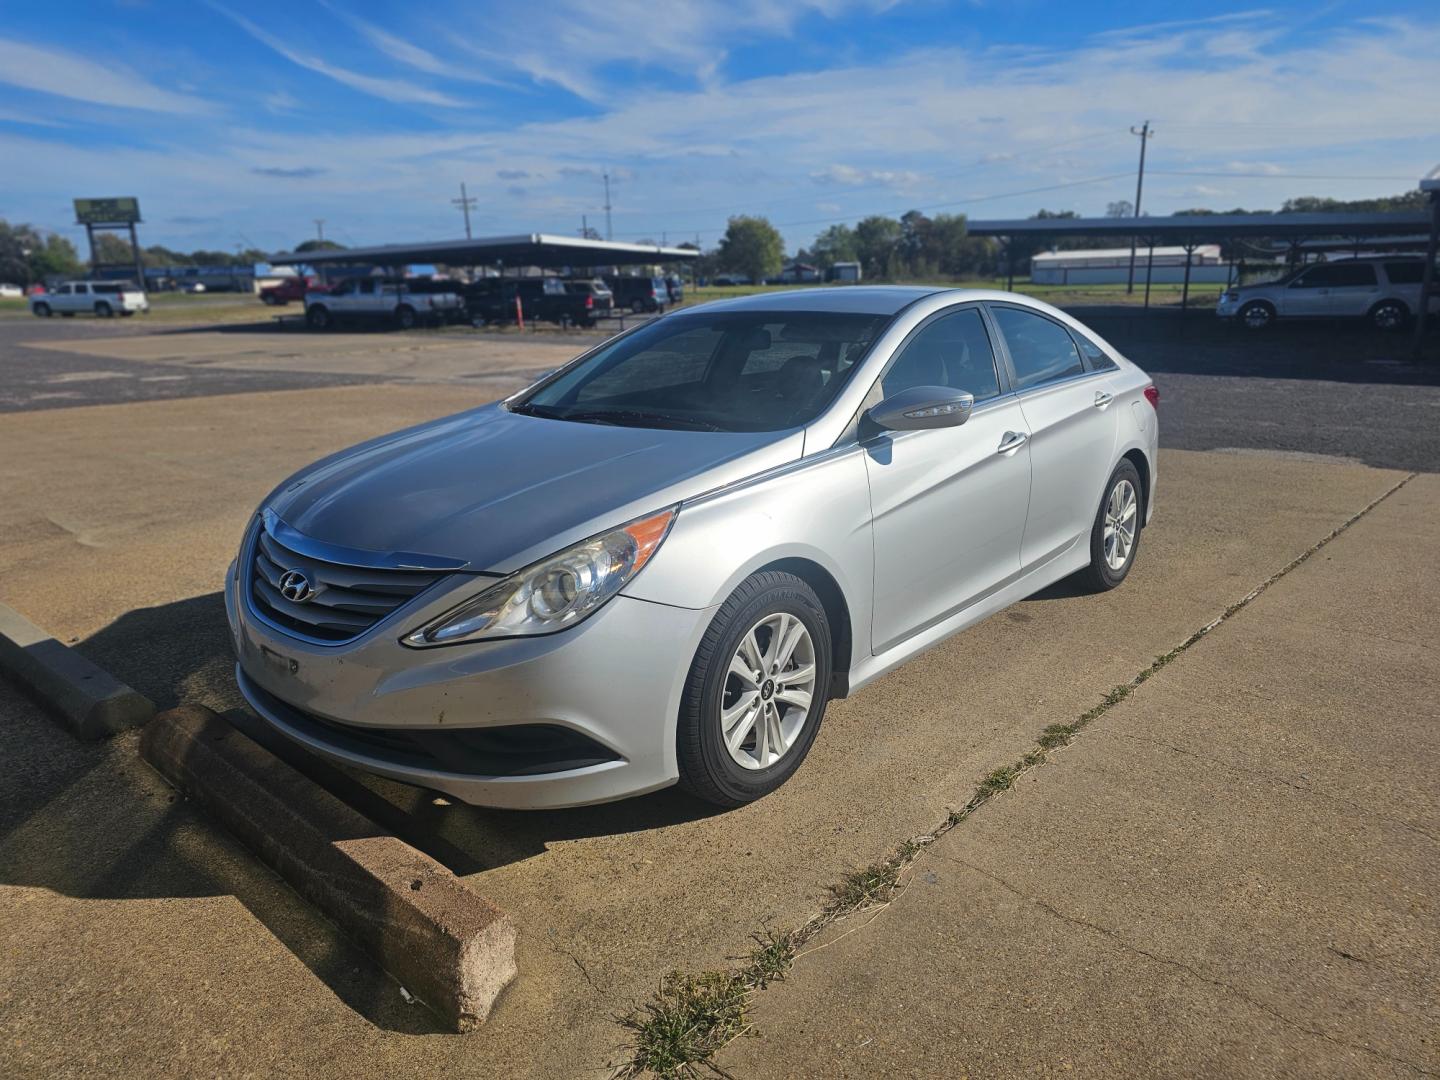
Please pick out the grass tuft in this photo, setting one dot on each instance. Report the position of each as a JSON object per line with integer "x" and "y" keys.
{"x": 678, "y": 1032}
{"x": 772, "y": 957}
{"x": 868, "y": 886}
{"x": 998, "y": 781}
{"x": 1056, "y": 735}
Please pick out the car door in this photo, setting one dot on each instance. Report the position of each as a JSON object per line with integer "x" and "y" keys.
{"x": 1066, "y": 405}
{"x": 77, "y": 298}
{"x": 1330, "y": 290}
{"x": 948, "y": 505}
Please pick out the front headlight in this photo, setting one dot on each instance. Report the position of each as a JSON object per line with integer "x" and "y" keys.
{"x": 554, "y": 593}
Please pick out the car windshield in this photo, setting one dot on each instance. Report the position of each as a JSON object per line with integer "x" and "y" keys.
{"x": 731, "y": 371}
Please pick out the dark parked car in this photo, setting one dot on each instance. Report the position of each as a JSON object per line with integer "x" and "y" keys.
{"x": 676, "y": 288}
{"x": 602, "y": 300}
{"x": 639, "y": 293}
{"x": 542, "y": 299}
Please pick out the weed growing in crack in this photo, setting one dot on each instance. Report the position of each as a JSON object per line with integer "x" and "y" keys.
{"x": 867, "y": 886}
{"x": 678, "y": 1032}
{"x": 772, "y": 957}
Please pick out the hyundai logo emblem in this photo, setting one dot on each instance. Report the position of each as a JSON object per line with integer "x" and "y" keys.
{"x": 296, "y": 587}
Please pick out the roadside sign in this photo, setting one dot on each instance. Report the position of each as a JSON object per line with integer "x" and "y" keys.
{"x": 120, "y": 211}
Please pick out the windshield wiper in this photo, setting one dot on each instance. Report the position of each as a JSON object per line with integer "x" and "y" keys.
{"x": 619, "y": 417}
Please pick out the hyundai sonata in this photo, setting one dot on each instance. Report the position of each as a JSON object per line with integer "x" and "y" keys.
{"x": 660, "y": 562}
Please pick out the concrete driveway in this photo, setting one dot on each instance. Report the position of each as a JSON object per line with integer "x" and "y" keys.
{"x": 126, "y": 911}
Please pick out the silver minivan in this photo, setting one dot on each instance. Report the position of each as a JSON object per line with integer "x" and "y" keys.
{"x": 1386, "y": 291}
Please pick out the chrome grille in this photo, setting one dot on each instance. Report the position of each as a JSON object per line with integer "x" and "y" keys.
{"x": 347, "y": 600}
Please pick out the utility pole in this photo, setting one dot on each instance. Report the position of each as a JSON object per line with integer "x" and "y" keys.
{"x": 1145, "y": 136}
{"x": 319, "y": 228}
{"x": 464, "y": 202}
{"x": 609, "y": 235}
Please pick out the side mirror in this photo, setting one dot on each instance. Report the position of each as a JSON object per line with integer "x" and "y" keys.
{"x": 922, "y": 407}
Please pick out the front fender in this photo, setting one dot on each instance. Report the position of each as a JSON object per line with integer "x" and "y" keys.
{"x": 817, "y": 510}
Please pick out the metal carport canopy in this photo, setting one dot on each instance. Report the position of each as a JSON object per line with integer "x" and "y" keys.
{"x": 1190, "y": 227}
{"x": 533, "y": 249}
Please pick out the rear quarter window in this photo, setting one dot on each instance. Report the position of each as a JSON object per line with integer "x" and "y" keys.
{"x": 1405, "y": 273}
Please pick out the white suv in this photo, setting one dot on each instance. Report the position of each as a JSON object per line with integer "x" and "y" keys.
{"x": 103, "y": 298}
{"x": 1384, "y": 290}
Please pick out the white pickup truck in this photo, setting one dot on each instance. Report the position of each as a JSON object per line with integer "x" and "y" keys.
{"x": 102, "y": 298}
{"x": 403, "y": 304}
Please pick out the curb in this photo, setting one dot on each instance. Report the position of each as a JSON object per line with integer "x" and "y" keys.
{"x": 91, "y": 701}
{"x": 445, "y": 944}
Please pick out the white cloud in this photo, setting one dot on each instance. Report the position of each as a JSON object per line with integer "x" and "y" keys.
{"x": 407, "y": 52}
{"x": 396, "y": 90}
{"x": 852, "y": 177}
{"x": 64, "y": 74}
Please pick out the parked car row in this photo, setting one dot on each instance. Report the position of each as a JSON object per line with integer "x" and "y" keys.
{"x": 567, "y": 302}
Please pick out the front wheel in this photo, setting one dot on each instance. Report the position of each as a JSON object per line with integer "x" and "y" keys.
{"x": 756, "y": 692}
{"x": 318, "y": 317}
{"x": 1115, "y": 536}
{"x": 1257, "y": 315}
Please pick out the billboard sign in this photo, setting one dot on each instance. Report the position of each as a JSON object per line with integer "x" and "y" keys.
{"x": 121, "y": 211}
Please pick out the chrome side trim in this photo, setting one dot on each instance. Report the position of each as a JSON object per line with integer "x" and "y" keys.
{"x": 347, "y": 556}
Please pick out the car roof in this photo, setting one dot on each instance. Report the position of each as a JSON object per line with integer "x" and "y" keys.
{"x": 855, "y": 299}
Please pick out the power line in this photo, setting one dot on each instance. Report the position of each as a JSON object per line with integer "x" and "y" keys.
{"x": 1273, "y": 175}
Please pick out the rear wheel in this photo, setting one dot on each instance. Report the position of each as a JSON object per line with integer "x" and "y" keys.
{"x": 1115, "y": 535}
{"x": 268, "y": 299}
{"x": 1257, "y": 315}
{"x": 405, "y": 317}
{"x": 756, "y": 692}
{"x": 637, "y": 306}
{"x": 1389, "y": 315}
{"x": 43, "y": 310}
{"x": 103, "y": 310}
{"x": 318, "y": 316}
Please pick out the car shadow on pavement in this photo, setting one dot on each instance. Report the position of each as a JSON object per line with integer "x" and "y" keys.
{"x": 90, "y": 822}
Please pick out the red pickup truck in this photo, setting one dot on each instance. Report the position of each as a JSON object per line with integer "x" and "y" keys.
{"x": 290, "y": 288}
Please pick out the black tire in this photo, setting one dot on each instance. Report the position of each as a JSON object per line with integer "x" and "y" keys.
{"x": 638, "y": 307}
{"x": 103, "y": 310}
{"x": 43, "y": 310}
{"x": 1389, "y": 315}
{"x": 318, "y": 317}
{"x": 707, "y": 769}
{"x": 1257, "y": 315}
{"x": 268, "y": 299}
{"x": 1099, "y": 576}
{"x": 405, "y": 317}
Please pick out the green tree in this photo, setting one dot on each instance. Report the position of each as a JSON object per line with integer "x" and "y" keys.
{"x": 751, "y": 246}
{"x": 111, "y": 250}
{"x": 27, "y": 255}
{"x": 318, "y": 245}
{"x": 835, "y": 244}
{"x": 875, "y": 240}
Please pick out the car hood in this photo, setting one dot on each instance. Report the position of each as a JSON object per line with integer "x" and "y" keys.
{"x": 500, "y": 490}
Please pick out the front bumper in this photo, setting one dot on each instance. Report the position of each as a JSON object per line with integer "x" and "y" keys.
{"x": 1227, "y": 309}
{"x": 616, "y": 679}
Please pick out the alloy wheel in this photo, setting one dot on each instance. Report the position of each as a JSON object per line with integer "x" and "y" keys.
{"x": 1256, "y": 316}
{"x": 768, "y": 690}
{"x": 1121, "y": 518}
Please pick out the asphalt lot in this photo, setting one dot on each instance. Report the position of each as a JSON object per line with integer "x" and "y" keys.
{"x": 1332, "y": 389}
{"x": 140, "y": 940}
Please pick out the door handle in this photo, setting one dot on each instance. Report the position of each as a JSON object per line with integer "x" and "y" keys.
{"x": 1102, "y": 399}
{"x": 1012, "y": 441}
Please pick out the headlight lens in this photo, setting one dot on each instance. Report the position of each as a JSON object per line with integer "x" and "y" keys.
{"x": 554, "y": 593}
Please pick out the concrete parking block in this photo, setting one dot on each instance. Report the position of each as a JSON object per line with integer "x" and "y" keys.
{"x": 447, "y": 945}
{"x": 91, "y": 701}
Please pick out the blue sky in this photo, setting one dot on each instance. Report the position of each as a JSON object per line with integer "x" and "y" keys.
{"x": 238, "y": 123}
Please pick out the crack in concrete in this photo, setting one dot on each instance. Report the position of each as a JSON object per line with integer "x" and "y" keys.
{"x": 1272, "y": 778}
{"x": 1115, "y": 937}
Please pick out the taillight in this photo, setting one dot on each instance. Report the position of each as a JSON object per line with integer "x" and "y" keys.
{"x": 589, "y": 301}
{"x": 1152, "y": 395}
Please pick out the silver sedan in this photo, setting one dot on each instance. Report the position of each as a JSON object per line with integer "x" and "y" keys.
{"x": 660, "y": 562}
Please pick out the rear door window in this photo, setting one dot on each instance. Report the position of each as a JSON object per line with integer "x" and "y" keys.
{"x": 1041, "y": 351}
{"x": 1337, "y": 276}
{"x": 1405, "y": 273}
